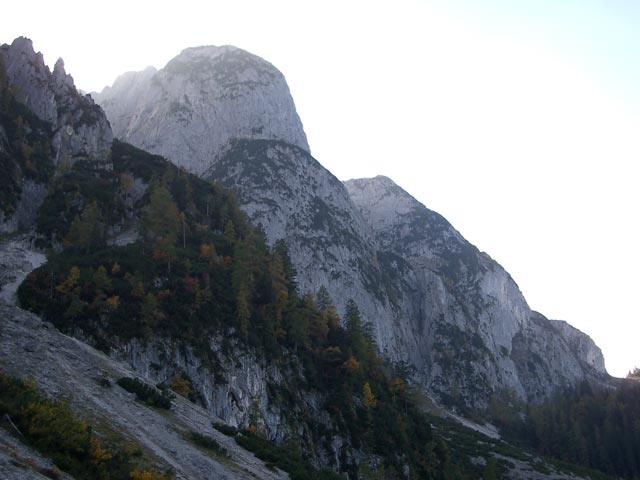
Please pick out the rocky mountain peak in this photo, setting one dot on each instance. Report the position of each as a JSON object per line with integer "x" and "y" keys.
{"x": 27, "y": 73}
{"x": 401, "y": 222}
{"x": 582, "y": 345}
{"x": 80, "y": 128}
{"x": 463, "y": 293}
{"x": 60, "y": 76}
{"x": 199, "y": 103}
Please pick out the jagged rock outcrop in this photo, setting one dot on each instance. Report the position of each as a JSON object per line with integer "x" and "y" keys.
{"x": 581, "y": 345}
{"x": 201, "y": 100}
{"x": 80, "y": 128}
{"x": 55, "y": 127}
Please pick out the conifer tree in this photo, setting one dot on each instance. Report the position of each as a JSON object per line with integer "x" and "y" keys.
{"x": 161, "y": 223}
{"x": 87, "y": 229}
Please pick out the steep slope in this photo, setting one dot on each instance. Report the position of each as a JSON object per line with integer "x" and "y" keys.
{"x": 486, "y": 339}
{"x": 80, "y": 128}
{"x": 67, "y": 368}
{"x": 205, "y": 97}
{"x": 293, "y": 198}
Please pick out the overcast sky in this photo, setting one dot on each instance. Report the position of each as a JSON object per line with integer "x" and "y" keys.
{"x": 516, "y": 120}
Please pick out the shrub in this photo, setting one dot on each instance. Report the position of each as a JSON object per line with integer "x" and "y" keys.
{"x": 52, "y": 428}
{"x": 209, "y": 443}
{"x": 146, "y": 394}
{"x": 228, "y": 430}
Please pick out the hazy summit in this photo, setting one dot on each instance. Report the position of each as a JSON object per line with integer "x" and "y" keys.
{"x": 201, "y": 100}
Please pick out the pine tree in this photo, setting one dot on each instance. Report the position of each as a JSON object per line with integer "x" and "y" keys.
{"x": 87, "y": 230}
{"x": 161, "y": 223}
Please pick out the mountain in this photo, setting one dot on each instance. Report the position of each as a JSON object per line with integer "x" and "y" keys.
{"x": 167, "y": 333}
{"x": 433, "y": 299}
{"x": 200, "y": 101}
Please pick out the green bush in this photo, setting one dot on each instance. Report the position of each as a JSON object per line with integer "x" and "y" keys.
{"x": 209, "y": 443}
{"x": 286, "y": 458}
{"x": 145, "y": 393}
{"x": 226, "y": 429}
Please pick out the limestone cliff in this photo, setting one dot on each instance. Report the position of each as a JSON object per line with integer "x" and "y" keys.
{"x": 45, "y": 126}
{"x": 485, "y": 337}
{"x": 80, "y": 128}
{"x": 191, "y": 109}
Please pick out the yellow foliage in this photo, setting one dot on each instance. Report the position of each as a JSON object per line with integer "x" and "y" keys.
{"x": 98, "y": 453}
{"x": 136, "y": 474}
{"x": 181, "y": 386}
{"x": 351, "y": 365}
{"x": 207, "y": 250}
{"x": 69, "y": 284}
{"x": 368, "y": 398}
{"x": 398, "y": 386}
{"x": 252, "y": 429}
{"x": 138, "y": 290}
{"x": 162, "y": 294}
{"x": 115, "y": 269}
{"x": 113, "y": 302}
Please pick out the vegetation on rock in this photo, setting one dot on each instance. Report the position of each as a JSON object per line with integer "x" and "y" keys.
{"x": 75, "y": 447}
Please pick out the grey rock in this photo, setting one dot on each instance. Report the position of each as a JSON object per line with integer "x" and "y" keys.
{"x": 65, "y": 367}
{"x": 485, "y": 337}
{"x": 20, "y": 462}
{"x": 17, "y": 259}
{"x": 31, "y": 198}
{"x": 581, "y": 345}
{"x": 191, "y": 109}
{"x": 80, "y": 128}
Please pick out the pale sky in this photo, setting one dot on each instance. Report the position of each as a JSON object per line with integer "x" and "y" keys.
{"x": 516, "y": 120}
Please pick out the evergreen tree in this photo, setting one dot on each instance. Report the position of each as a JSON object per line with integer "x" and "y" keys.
{"x": 161, "y": 223}
{"x": 87, "y": 230}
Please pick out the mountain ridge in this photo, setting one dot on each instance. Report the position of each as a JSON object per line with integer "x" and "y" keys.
{"x": 416, "y": 282}
{"x": 192, "y": 297}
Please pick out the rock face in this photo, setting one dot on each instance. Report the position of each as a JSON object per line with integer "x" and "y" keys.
{"x": 434, "y": 300}
{"x": 191, "y": 109}
{"x": 483, "y": 332}
{"x": 283, "y": 189}
{"x": 80, "y": 128}
{"x": 57, "y": 128}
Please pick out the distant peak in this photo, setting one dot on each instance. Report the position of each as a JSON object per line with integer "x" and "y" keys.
{"x": 60, "y": 76}
{"x": 209, "y": 50}
{"x": 378, "y": 179}
{"x": 378, "y": 183}
{"x": 22, "y": 43}
{"x": 59, "y": 66}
